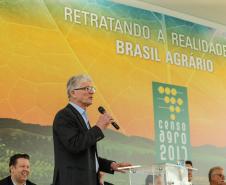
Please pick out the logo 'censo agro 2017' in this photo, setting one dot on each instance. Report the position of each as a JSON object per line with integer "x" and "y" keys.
{"x": 172, "y": 133}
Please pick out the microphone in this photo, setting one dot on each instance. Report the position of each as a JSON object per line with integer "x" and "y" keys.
{"x": 102, "y": 111}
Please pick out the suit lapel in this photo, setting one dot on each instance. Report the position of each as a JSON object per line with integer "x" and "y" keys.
{"x": 10, "y": 180}
{"x": 77, "y": 116}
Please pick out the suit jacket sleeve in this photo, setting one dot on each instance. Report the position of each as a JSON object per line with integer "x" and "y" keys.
{"x": 70, "y": 131}
{"x": 105, "y": 165}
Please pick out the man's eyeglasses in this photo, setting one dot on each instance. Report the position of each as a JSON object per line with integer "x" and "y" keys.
{"x": 87, "y": 88}
{"x": 219, "y": 175}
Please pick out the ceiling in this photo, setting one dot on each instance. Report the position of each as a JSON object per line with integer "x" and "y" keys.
{"x": 210, "y": 10}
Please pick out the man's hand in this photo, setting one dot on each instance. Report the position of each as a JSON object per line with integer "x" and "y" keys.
{"x": 101, "y": 177}
{"x": 115, "y": 166}
{"x": 104, "y": 120}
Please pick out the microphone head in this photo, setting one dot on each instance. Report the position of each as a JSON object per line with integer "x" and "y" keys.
{"x": 101, "y": 109}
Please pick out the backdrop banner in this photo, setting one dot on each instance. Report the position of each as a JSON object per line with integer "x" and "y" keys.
{"x": 160, "y": 74}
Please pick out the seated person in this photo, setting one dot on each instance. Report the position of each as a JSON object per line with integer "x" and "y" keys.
{"x": 216, "y": 176}
{"x": 159, "y": 180}
{"x": 189, "y": 165}
{"x": 149, "y": 180}
{"x": 19, "y": 168}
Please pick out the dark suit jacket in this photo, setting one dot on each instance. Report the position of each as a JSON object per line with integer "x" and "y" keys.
{"x": 75, "y": 148}
{"x": 108, "y": 183}
{"x": 8, "y": 181}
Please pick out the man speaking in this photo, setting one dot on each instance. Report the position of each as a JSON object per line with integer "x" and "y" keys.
{"x": 76, "y": 158}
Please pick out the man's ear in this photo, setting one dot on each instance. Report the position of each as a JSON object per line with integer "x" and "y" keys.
{"x": 73, "y": 93}
{"x": 10, "y": 168}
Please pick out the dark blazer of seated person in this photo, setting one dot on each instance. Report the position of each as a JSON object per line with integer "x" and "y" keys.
{"x": 8, "y": 181}
{"x": 108, "y": 183}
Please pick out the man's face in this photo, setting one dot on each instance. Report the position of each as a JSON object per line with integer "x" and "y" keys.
{"x": 83, "y": 97}
{"x": 217, "y": 176}
{"x": 21, "y": 170}
{"x": 189, "y": 172}
{"x": 159, "y": 180}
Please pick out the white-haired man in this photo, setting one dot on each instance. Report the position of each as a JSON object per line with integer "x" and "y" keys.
{"x": 76, "y": 158}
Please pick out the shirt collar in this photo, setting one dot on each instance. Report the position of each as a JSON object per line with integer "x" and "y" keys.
{"x": 15, "y": 183}
{"x": 79, "y": 109}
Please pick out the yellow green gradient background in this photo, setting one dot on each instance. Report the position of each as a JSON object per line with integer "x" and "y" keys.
{"x": 39, "y": 51}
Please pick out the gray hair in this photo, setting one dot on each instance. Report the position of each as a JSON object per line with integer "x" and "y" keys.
{"x": 75, "y": 81}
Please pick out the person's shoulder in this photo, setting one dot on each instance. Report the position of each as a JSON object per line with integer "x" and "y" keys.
{"x": 107, "y": 183}
{"x": 67, "y": 109}
{"x": 62, "y": 112}
{"x": 5, "y": 181}
{"x": 63, "y": 109}
{"x": 30, "y": 183}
